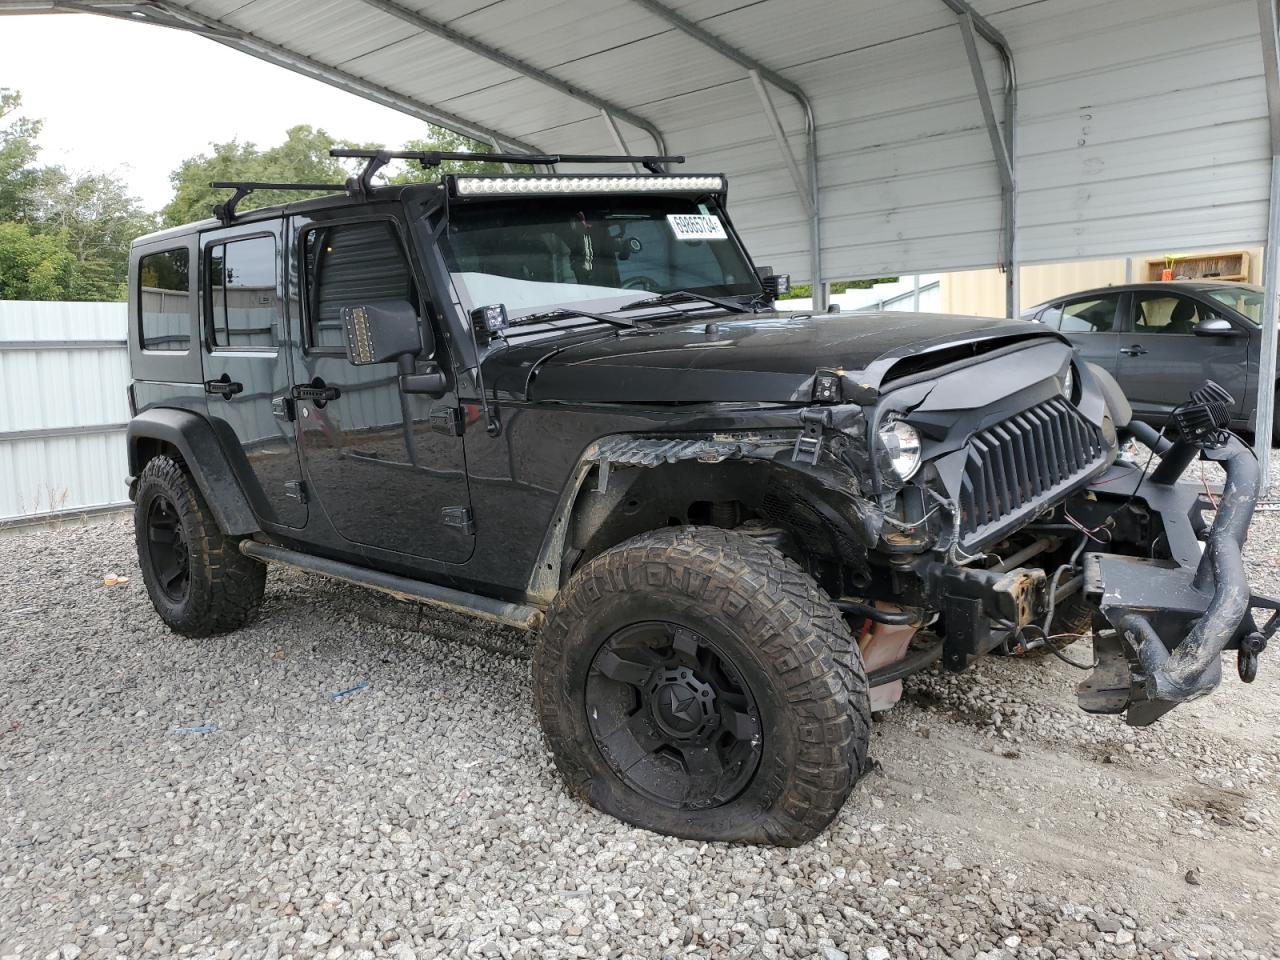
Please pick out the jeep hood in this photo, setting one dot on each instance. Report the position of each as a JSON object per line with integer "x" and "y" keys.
{"x": 763, "y": 358}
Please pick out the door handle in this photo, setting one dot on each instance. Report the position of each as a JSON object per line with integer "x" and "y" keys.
{"x": 1136, "y": 350}
{"x": 316, "y": 391}
{"x": 224, "y": 387}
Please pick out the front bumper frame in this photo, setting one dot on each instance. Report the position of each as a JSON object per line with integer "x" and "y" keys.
{"x": 1163, "y": 625}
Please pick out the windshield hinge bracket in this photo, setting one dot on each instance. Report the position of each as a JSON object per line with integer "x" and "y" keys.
{"x": 808, "y": 448}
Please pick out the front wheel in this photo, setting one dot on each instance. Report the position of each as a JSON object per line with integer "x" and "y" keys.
{"x": 199, "y": 582}
{"x": 696, "y": 682}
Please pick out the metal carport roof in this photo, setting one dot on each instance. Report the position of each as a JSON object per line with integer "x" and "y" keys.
{"x": 861, "y": 137}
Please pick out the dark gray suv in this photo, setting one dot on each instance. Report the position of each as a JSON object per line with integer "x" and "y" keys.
{"x": 1159, "y": 340}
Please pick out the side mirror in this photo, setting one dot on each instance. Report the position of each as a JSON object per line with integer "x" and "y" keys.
{"x": 1214, "y": 326}
{"x": 381, "y": 331}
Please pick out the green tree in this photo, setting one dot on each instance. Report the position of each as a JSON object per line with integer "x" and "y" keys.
{"x": 96, "y": 219}
{"x": 34, "y": 266}
{"x": 446, "y": 141}
{"x": 66, "y": 236}
{"x": 18, "y": 150}
{"x": 303, "y": 157}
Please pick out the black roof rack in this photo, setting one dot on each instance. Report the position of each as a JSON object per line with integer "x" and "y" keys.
{"x": 375, "y": 160}
{"x": 226, "y": 211}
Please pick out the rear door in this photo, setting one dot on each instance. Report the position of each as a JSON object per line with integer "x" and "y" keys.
{"x": 246, "y": 362}
{"x": 1090, "y": 323}
{"x": 1162, "y": 360}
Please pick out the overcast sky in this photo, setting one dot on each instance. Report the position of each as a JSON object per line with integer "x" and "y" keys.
{"x": 137, "y": 99}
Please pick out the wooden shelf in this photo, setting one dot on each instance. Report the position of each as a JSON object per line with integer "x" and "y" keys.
{"x": 1229, "y": 265}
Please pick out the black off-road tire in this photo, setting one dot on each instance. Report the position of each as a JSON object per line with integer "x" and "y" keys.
{"x": 220, "y": 588}
{"x": 774, "y": 628}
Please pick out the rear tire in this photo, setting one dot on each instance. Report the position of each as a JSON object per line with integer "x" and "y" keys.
{"x": 199, "y": 581}
{"x": 695, "y": 682}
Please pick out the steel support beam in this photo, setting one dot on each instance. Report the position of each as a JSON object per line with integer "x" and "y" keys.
{"x": 758, "y": 72}
{"x": 616, "y": 132}
{"x": 1267, "y": 22}
{"x": 1003, "y": 145}
{"x": 447, "y": 33}
{"x": 166, "y": 14}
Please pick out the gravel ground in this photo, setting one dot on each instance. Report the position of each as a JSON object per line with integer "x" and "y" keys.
{"x": 419, "y": 816}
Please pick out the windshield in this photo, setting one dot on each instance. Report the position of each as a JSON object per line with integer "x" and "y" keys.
{"x": 594, "y": 252}
{"x": 1244, "y": 299}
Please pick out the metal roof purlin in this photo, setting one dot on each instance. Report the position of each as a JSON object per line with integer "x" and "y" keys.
{"x": 471, "y": 44}
{"x": 1003, "y": 147}
{"x": 757, "y": 71}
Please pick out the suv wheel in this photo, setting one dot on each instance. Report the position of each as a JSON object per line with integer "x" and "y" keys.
{"x": 696, "y": 682}
{"x": 199, "y": 582}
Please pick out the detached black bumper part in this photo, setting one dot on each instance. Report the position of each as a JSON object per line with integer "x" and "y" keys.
{"x": 1173, "y": 620}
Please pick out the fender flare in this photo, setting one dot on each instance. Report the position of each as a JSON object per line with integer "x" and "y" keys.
{"x": 207, "y": 460}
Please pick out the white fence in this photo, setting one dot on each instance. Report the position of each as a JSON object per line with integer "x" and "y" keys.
{"x": 64, "y": 371}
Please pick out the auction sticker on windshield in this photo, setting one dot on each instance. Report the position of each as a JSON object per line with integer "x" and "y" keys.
{"x": 696, "y": 226}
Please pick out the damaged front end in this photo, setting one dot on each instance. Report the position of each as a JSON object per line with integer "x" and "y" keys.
{"x": 1165, "y": 618}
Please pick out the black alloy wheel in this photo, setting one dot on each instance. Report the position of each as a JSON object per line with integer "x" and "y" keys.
{"x": 672, "y": 717}
{"x": 168, "y": 553}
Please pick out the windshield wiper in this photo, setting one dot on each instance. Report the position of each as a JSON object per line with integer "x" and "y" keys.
{"x": 680, "y": 296}
{"x": 562, "y": 312}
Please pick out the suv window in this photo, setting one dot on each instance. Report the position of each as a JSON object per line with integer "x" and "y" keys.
{"x": 164, "y": 300}
{"x": 351, "y": 263}
{"x": 1161, "y": 313}
{"x": 242, "y": 293}
{"x": 1094, "y": 315}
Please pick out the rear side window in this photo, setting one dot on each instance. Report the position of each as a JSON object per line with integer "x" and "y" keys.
{"x": 346, "y": 264}
{"x": 243, "y": 304}
{"x": 164, "y": 298}
{"x": 1095, "y": 315}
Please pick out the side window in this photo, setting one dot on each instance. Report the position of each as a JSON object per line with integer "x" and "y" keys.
{"x": 164, "y": 299}
{"x": 1161, "y": 313}
{"x": 1051, "y": 316}
{"x": 243, "y": 305}
{"x": 1095, "y": 315}
{"x": 349, "y": 263}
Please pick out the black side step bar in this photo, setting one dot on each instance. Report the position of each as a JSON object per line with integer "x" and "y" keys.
{"x": 520, "y": 615}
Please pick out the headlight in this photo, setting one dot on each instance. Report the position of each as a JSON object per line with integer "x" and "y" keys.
{"x": 1069, "y": 382}
{"x": 900, "y": 444}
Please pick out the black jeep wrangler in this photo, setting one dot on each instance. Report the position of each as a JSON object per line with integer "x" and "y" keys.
{"x": 566, "y": 402}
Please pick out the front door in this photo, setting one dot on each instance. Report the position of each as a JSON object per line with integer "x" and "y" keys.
{"x": 246, "y": 365}
{"x": 1162, "y": 360}
{"x": 386, "y": 467}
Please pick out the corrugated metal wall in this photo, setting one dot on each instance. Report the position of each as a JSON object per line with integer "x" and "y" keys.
{"x": 64, "y": 370}
{"x": 1142, "y": 125}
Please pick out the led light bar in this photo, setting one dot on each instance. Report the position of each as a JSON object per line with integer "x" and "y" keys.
{"x": 513, "y": 186}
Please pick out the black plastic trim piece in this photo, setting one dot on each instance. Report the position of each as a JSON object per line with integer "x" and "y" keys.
{"x": 205, "y": 458}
